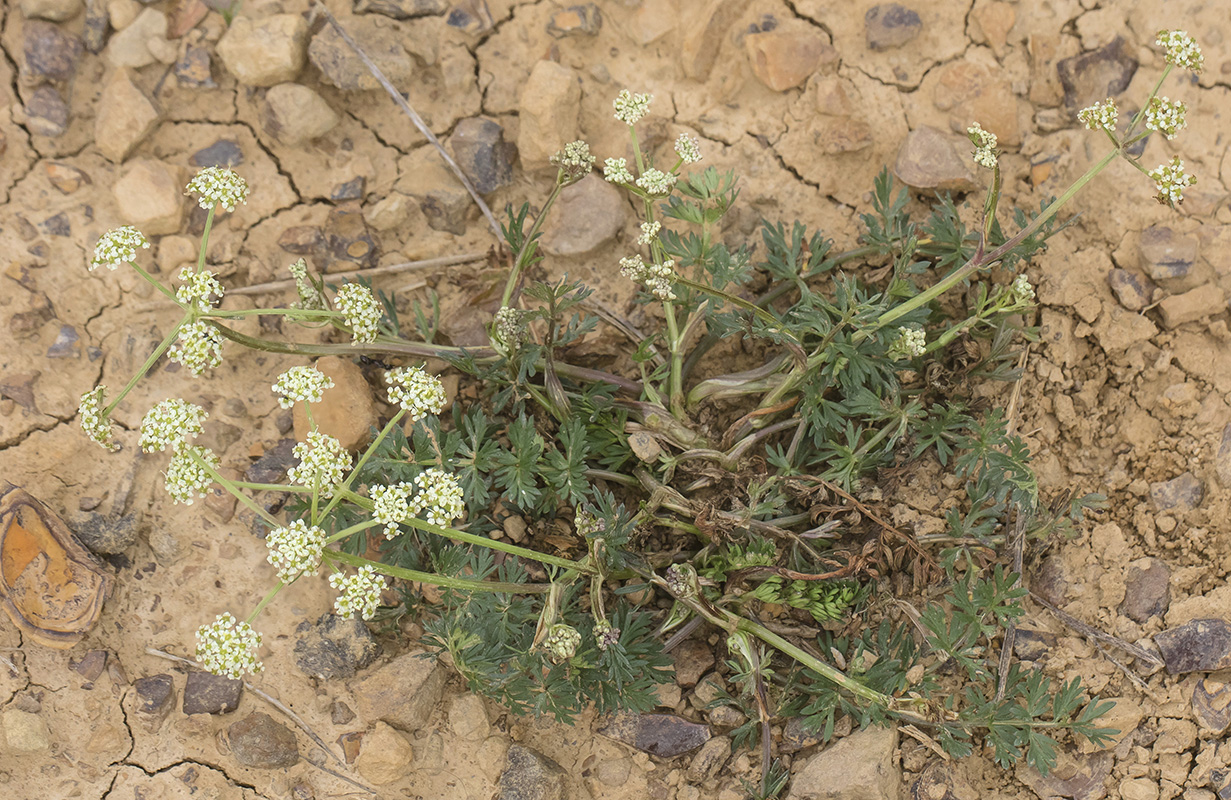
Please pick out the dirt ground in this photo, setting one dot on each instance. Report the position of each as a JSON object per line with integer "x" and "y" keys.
{"x": 1127, "y": 389}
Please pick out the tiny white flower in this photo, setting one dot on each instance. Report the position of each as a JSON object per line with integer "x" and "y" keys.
{"x": 228, "y": 647}
{"x": 509, "y": 326}
{"x": 561, "y": 642}
{"x": 295, "y": 550}
{"x": 985, "y": 154}
{"x": 310, "y": 298}
{"x": 198, "y": 289}
{"x": 169, "y": 424}
{"x": 218, "y": 186}
{"x": 359, "y": 593}
{"x": 630, "y": 108}
{"x": 688, "y": 149}
{"x": 661, "y": 279}
{"x": 360, "y": 310}
{"x": 118, "y": 246}
{"x": 95, "y": 425}
{"x": 649, "y": 232}
{"x": 440, "y": 499}
{"x": 1165, "y": 116}
{"x": 198, "y": 347}
{"x": 1022, "y": 291}
{"x": 911, "y": 343}
{"x": 1103, "y": 115}
{"x": 1182, "y": 50}
{"x": 416, "y": 391}
{"x": 656, "y": 182}
{"x": 301, "y": 384}
{"x": 1171, "y": 180}
{"x": 323, "y": 463}
{"x": 186, "y": 478}
{"x": 615, "y": 170}
{"x": 391, "y": 505}
{"x": 574, "y": 161}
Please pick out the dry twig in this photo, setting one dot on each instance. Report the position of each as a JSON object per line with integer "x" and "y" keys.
{"x": 1133, "y": 650}
{"x": 390, "y": 269}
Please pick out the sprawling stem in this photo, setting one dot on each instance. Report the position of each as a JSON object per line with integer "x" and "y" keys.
{"x": 434, "y": 579}
{"x": 528, "y": 245}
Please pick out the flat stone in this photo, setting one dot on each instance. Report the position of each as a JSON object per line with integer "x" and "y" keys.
{"x": 484, "y": 156}
{"x": 125, "y": 116}
{"x": 108, "y": 535}
{"x": 350, "y": 190}
{"x": 194, "y": 68}
{"x": 890, "y": 25}
{"x": 1166, "y": 254}
{"x": 1147, "y": 590}
{"x": 1202, "y": 302}
{"x": 1092, "y": 77}
{"x": 303, "y": 240}
{"x": 1183, "y": 492}
{"x": 1212, "y": 705}
{"x": 471, "y": 16}
{"x": 340, "y": 713}
{"x": 587, "y": 216}
{"x": 693, "y": 659}
{"x": 51, "y": 53}
{"x": 155, "y": 699}
{"x": 402, "y": 9}
{"x": 349, "y": 241}
{"x": 65, "y": 345}
{"x": 704, "y": 26}
{"x": 1076, "y": 776}
{"x": 580, "y": 20}
{"x": 265, "y": 52}
{"x": 857, "y": 767}
{"x": 293, "y": 114}
{"x": 222, "y": 153}
{"x": 384, "y": 755}
{"x": 446, "y": 209}
{"x": 1134, "y": 291}
{"x": 206, "y": 693}
{"x": 709, "y": 759}
{"x": 662, "y": 735}
{"x": 530, "y": 775}
{"x": 938, "y": 782}
{"x": 25, "y": 732}
{"x": 1203, "y": 645}
{"x": 468, "y": 718}
{"x": 67, "y": 179}
{"x": 272, "y": 466}
{"x": 260, "y": 742}
{"x": 335, "y": 647}
{"x": 150, "y": 196}
{"x": 783, "y": 59}
{"x": 57, "y": 225}
{"x": 91, "y": 665}
{"x": 54, "y": 10}
{"x": 94, "y": 29}
{"x": 46, "y": 112}
{"x": 402, "y": 692}
{"x": 970, "y": 90}
{"x": 130, "y": 47}
{"x": 340, "y": 66}
{"x": 796, "y": 736}
{"x": 929, "y": 160}
{"x": 1138, "y": 789}
{"x": 550, "y": 103}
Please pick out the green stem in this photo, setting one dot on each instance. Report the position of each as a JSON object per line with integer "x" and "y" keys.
{"x": 351, "y": 531}
{"x": 240, "y": 496}
{"x": 265, "y": 601}
{"x": 583, "y": 566}
{"x": 676, "y": 389}
{"x": 1144, "y": 106}
{"x": 157, "y": 284}
{"x": 270, "y": 487}
{"x": 343, "y": 489}
{"x": 149, "y": 362}
{"x": 528, "y": 245}
{"x": 443, "y": 581}
{"x": 209, "y": 224}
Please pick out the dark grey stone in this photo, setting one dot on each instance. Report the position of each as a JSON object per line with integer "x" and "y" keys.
{"x": 1203, "y": 645}
{"x": 890, "y": 25}
{"x": 1182, "y": 493}
{"x": 402, "y": 9}
{"x": 155, "y": 699}
{"x": 65, "y": 345}
{"x": 335, "y": 647}
{"x": 1147, "y": 590}
{"x": 222, "y": 153}
{"x": 1094, "y": 76}
{"x": 104, "y": 535}
{"x": 351, "y": 190}
{"x": 530, "y": 775}
{"x": 51, "y": 53}
{"x": 482, "y": 153}
{"x": 206, "y": 693}
{"x": 1134, "y": 291}
{"x": 258, "y": 741}
{"x": 272, "y": 467}
{"x": 662, "y": 735}
{"x": 47, "y": 115}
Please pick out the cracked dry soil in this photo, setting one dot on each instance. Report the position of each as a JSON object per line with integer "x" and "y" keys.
{"x": 1127, "y": 390}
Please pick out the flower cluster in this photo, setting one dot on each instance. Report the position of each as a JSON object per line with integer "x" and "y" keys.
{"x": 360, "y": 310}
{"x": 1022, "y": 291}
{"x": 605, "y": 635}
{"x": 301, "y": 384}
{"x": 416, "y": 391}
{"x": 190, "y": 473}
{"x": 1165, "y": 116}
{"x": 198, "y": 347}
{"x": 561, "y": 642}
{"x": 615, "y": 170}
{"x": 656, "y": 182}
{"x": 228, "y": 647}
{"x": 587, "y": 524}
{"x": 218, "y": 186}
{"x": 682, "y": 580}
{"x": 656, "y": 277}
{"x": 1171, "y": 180}
{"x": 295, "y": 550}
{"x": 509, "y": 326}
{"x": 310, "y": 298}
{"x": 440, "y": 498}
{"x": 197, "y": 289}
{"x": 985, "y": 154}
{"x": 574, "y": 161}
{"x": 118, "y": 246}
{"x": 169, "y": 424}
{"x": 359, "y": 593}
{"x": 649, "y": 232}
{"x": 391, "y": 505}
{"x": 630, "y": 108}
{"x": 910, "y": 343}
{"x": 1182, "y": 50}
{"x": 95, "y": 425}
{"x": 1102, "y": 115}
{"x": 323, "y": 462}
{"x": 688, "y": 149}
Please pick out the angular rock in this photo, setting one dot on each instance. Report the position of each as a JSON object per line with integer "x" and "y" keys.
{"x": 222, "y": 153}
{"x": 402, "y": 9}
{"x": 348, "y": 239}
{"x": 929, "y": 160}
{"x": 471, "y": 16}
{"x": 583, "y": 20}
{"x": 1202, "y": 302}
{"x": 265, "y": 52}
{"x": 858, "y": 767}
{"x": 1183, "y": 492}
{"x": 662, "y": 735}
{"x": 938, "y": 782}
{"x": 54, "y": 10}
{"x": 1147, "y": 590}
{"x": 1134, "y": 291}
{"x": 65, "y": 178}
{"x": 1166, "y": 254}
{"x": 446, "y": 209}
{"x": 46, "y": 112}
{"x": 342, "y": 68}
{"x": 130, "y": 47}
{"x": 1203, "y": 645}
{"x": 340, "y": 713}
{"x": 588, "y": 215}
{"x": 1092, "y": 77}
{"x": 1075, "y": 776}
{"x": 105, "y": 535}
{"x": 974, "y": 91}
{"x": 150, "y": 196}
{"x": 155, "y": 699}
{"x": 58, "y": 225}
{"x": 124, "y": 118}
{"x": 530, "y": 775}
{"x": 796, "y": 736}
{"x": 784, "y": 59}
{"x": 692, "y": 659}
{"x": 468, "y": 718}
{"x": 335, "y": 647}
{"x": 24, "y": 731}
{"x": 709, "y": 759}
{"x": 193, "y": 69}
{"x": 548, "y": 113}
{"x": 260, "y": 742}
{"x": 351, "y": 190}
{"x": 1212, "y": 705}
{"x": 384, "y": 755}
{"x": 402, "y": 692}
{"x": 91, "y": 665}
{"x": 94, "y": 30}
{"x": 482, "y": 153}
{"x": 303, "y": 240}
{"x": 51, "y": 53}
{"x": 705, "y": 25}
{"x": 206, "y": 693}
{"x": 890, "y": 25}
{"x": 293, "y": 114}
{"x": 272, "y": 466}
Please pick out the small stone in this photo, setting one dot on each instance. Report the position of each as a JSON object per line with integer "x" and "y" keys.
{"x": 796, "y": 736}
{"x": 707, "y": 690}
{"x": 65, "y": 346}
{"x": 294, "y": 114}
{"x": 1076, "y": 776}
{"x": 1202, "y": 302}
{"x": 402, "y": 9}
{"x": 303, "y": 240}
{"x": 783, "y": 59}
{"x": 348, "y": 239}
{"x": 346, "y": 411}
{"x": 125, "y": 117}
{"x": 709, "y": 759}
{"x": 340, "y": 66}
{"x": 384, "y": 756}
{"x": 662, "y": 735}
{"x": 704, "y": 28}
{"x": 335, "y": 647}
{"x": 585, "y": 20}
{"x": 1147, "y": 590}
{"x": 995, "y": 19}
{"x": 858, "y": 767}
{"x": 1125, "y": 716}
{"x": 46, "y": 112}
{"x": 54, "y": 10}
{"x": 94, "y": 30}
{"x": 104, "y": 535}
{"x": 1222, "y": 459}
{"x": 206, "y": 693}
{"x": 530, "y": 775}
{"x": 122, "y": 13}
{"x": 890, "y": 25}
{"x": 548, "y": 111}
{"x": 340, "y": 713}
{"x": 1203, "y": 645}
{"x": 265, "y": 52}
{"x": 693, "y": 659}
{"x": 155, "y": 699}
{"x": 91, "y": 665}
{"x": 938, "y": 782}
{"x": 1134, "y": 291}
{"x": 222, "y": 153}
{"x": 388, "y": 212}
{"x": 193, "y": 68}
{"x": 51, "y": 53}
{"x": 725, "y": 717}
{"x": 613, "y": 772}
{"x": 1166, "y": 254}
{"x": 272, "y": 466}
{"x": 929, "y": 160}
{"x": 260, "y": 742}
{"x": 402, "y": 692}
{"x": 1212, "y": 705}
{"x": 668, "y": 695}
{"x": 446, "y": 209}
{"x": 970, "y": 91}
{"x": 471, "y": 16}
{"x": 482, "y": 153}
{"x": 588, "y": 216}
{"x": 351, "y": 190}
{"x": 67, "y": 179}
{"x": 25, "y": 732}
{"x": 468, "y": 718}
{"x": 1138, "y": 789}
{"x": 130, "y": 47}
{"x": 1092, "y": 77}
{"x": 1183, "y": 492}
{"x": 150, "y": 196}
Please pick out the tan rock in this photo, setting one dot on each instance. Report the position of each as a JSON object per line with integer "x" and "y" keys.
{"x": 294, "y": 114}
{"x": 652, "y": 21}
{"x": 265, "y": 52}
{"x": 346, "y": 412}
{"x": 150, "y": 196}
{"x": 929, "y": 159}
{"x": 1205, "y": 301}
{"x": 548, "y": 113}
{"x": 121, "y": 13}
{"x": 995, "y": 19}
{"x": 973, "y": 92}
{"x": 403, "y": 692}
{"x": 855, "y": 767}
{"x": 589, "y": 215}
{"x": 385, "y": 755}
{"x": 125, "y": 117}
{"x": 130, "y": 47}
{"x": 54, "y": 10}
{"x": 25, "y": 732}
{"x": 784, "y": 59}
{"x": 706, "y": 25}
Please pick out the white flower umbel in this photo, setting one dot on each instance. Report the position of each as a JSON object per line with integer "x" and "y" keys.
{"x": 169, "y": 424}
{"x": 301, "y": 385}
{"x": 1102, "y": 115}
{"x": 440, "y": 499}
{"x": 118, "y": 246}
{"x": 198, "y": 289}
{"x": 391, "y": 505}
{"x": 688, "y": 149}
{"x": 656, "y": 182}
{"x": 561, "y": 642}
{"x": 630, "y": 108}
{"x": 218, "y": 186}
{"x": 186, "y": 479}
{"x": 615, "y": 170}
{"x": 658, "y": 278}
{"x": 1166, "y": 117}
{"x": 1022, "y": 291}
{"x": 911, "y": 343}
{"x": 359, "y": 593}
{"x": 985, "y": 154}
{"x": 1182, "y": 50}
{"x": 199, "y": 347}
{"x": 95, "y": 425}
{"x": 1171, "y": 180}
{"x": 310, "y": 298}
{"x": 418, "y": 392}
{"x": 649, "y": 232}
{"x": 295, "y": 550}
{"x": 574, "y": 161}
{"x": 228, "y": 647}
{"x": 323, "y": 463}
{"x": 510, "y": 326}
{"x": 360, "y": 310}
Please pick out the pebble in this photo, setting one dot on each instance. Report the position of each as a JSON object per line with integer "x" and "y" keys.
{"x": 260, "y": 742}
{"x": 206, "y": 693}
{"x": 725, "y": 717}
{"x": 402, "y": 9}
{"x": 54, "y": 10}
{"x": 1183, "y": 492}
{"x": 271, "y": 467}
{"x": 446, "y": 209}
{"x": 995, "y": 19}
{"x": 471, "y": 16}
{"x": 46, "y": 112}
{"x": 1147, "y": 590}
{"x": 1165, "y": 253}
{"x": 783, "y": 59}
{"x": 90, "y": 666}
{"x": 796, "y": 736}
{"x": 384, "y": 756}
{"x": 1076, "y": 776}
{"x": 468, "y": 718}
{"x": 662, "y": 735}
{"x": 548, "y": 111}
{"x": 929, "y": 160}
{"x": 265, "y": 52}
{"x": 335, "y": 647}
{"x": 51, "y": 53}
{"x": 340, "y": 713}
{"x": 155, "y": 699}
{"x": 340, "y": 66}
{"x": 150, "y": 196}
{"x": 389, "y": 212}
{"x": 65, "y": 345}
{"x": 708, "y": 689}
{"x": 222, "y": 153}
{"x": 125, "y": 116}
{"x": 1138, "y": 789}
{"x": 857, "y": 766}
{"x": 1212, "y": 705}
{"x": 1094, "y": 76}
{"x": 348, "y": 239}
{"x": 693, "y": 659}
{"x": 530, "y": 775}
{"x": 106, "y": 535}
{"x": 1205, "y": 301}
{"x": 293, "y": 114}
{"x": 937, "y": 782}
{"x": 1134, "y": 291}
{"x": 613, "y": 772}
{"x": 346, "y": 412}
{"x": 704, "y": 29}
{"x": 24, "y": 731}
{"x": 403, "y": 692}
{"x": 350, "y": 190}
{"x": 974, "y": 91}
{"x": 130, "y": 47}
{"x": 67, "y": 179}
{"x": 94, "y": 29}
{"x": 583, "y": 20}
{"x": 193, "y": 68}
{"x": 709, "y": 759}
{"x": 303, "y": 240}
{"x": 1203, "y": 645}
{"x": 587, "y": 217}
{"x": 890, "y": 25}
{"x": 1222, "y": 458}
{"x": 122, "y": 13}
{"x": 484, "y": 156}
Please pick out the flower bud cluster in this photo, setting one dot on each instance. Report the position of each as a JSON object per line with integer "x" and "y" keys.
{"x": 1166, "y": 117}
{"x": 199, "y": 290}
{"x": 1102, "y": 115}
{"x": 416, "y": 391}
{"x": 985, "y": 154}
{"x": 657, "y": 277}
{"x": 118, "y": 246}
{"x": 1171, "y": 180}
{"x": 360, "y": 311}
